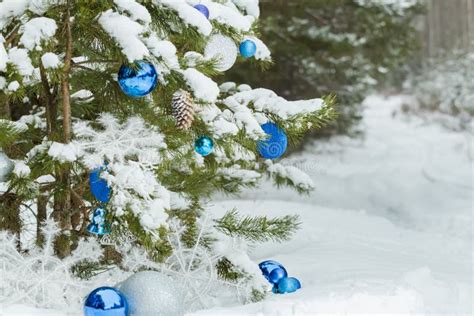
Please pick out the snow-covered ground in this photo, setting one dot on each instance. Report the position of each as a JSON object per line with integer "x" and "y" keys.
{"x": 388, "y": 230}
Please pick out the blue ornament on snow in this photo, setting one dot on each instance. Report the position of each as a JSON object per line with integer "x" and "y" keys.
{"x": 275, "y": 145}
{"x": 106, "y": 301}
{"x": 138, "y": 81}
{"x": 287, "y": 285}
{"x": 99, "y": 187}
{"x": 98, "y": 224}
{"x": 248, "y": 48}
{"x": 204, "y": 146}
{"x": 203, "y": 9}
{"x": 273, "y": 271}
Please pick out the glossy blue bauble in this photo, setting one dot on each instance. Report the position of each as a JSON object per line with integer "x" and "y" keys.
{"x": 248, "y": 48}
{"x": 275, "y": 145}
{"x": 106, "y": 301}
{"x": 273, "y": 271}
{"x": 203, "y": 9}
{"x": 139, "y": 81}
{"x": 288, "y": 285}
{"x": 204, "y": 146}
{"x": 99, "y": 187}
{"x": 98, "y": 225}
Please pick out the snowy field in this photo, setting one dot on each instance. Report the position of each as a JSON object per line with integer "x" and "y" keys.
{"x": 388, "y": 230}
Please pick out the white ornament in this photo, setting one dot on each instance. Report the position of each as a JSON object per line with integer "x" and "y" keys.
{"x": 6, "y": 166}
{"x": 223, "y": 49}
{"x": 153, "y": 293}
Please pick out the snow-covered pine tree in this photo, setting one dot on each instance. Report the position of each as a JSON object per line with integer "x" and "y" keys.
{"x": 64, "y": 115}
{"x": 346, "y": 47}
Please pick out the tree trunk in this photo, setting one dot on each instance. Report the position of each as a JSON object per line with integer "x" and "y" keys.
{"x": 62, "y": 203}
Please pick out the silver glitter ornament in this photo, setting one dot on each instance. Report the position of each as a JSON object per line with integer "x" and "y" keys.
{"x": 223, "y": 49}
{"x": 153, "y": 293}
{"x": 6, "y": 166}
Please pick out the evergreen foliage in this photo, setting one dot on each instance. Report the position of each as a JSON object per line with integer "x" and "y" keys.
{"x": 345, "y": 47}
{"x": 64, "y": 115}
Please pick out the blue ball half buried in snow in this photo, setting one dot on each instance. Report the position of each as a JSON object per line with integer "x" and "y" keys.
{"x": 275, "y": 145}
{"x": 204, "y": 146}
{"x": 248, "y": 48}
{"x": 139, "y": 80}
{"x": 287, "y": 285}
{"x": 98, "y": 224}
{"x": 99, "y": 187}
{"x": 273, "y": 271}
{"x": 106, "y": 301}
{"x": 203, "y": 9}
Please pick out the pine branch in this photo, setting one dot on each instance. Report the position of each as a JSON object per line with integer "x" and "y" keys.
{"x": 259, "y": 228}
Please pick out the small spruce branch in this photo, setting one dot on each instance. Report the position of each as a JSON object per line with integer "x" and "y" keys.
{"x": 259, "y": 228}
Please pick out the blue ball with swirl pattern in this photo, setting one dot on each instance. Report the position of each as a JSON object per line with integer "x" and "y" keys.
{"x": 275, "y": 145}
{"x": 138, "y": 81}
{"x": 106, "y": 301}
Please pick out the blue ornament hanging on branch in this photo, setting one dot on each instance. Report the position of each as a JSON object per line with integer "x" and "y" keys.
{"x": 138, "y": 81}
{"x": 203, "y": 9}
{"x": 106, "y": 301}
{"x": 98, "y": 224}
{"x": 204, "y": 146}
{"x": 99, "y": 187}
{"x": 275, "y": 145}
{"x": 248, "y": 48}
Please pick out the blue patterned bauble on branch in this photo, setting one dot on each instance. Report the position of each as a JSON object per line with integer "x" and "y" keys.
{"x": 138, "y": 81}
{"x": 106, "y": 301}
{"x": 273, "y": 271}
{"x": 248, "y": 48}
{"x": 204, "y": 146}
{"x": 275, "y": 145}
{"x": 287, "y": 285}
{"x": 99, "y": 187}
{"x": 98, "y": 224}
{"x": 203, "y": 9}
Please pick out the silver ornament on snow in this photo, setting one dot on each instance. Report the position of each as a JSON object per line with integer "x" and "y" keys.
{"x": 6, "y": 166}
{"x": 153, "y": 293}
{"x": 223, "y": 49}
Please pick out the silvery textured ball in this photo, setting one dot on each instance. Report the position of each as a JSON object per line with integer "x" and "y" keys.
{"x": 6, "y": 166}
{"x": 151, "y": 293}
{"x": 223, "y": 49}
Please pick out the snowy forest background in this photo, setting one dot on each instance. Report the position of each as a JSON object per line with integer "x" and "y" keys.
{"x": 388, "y": 228}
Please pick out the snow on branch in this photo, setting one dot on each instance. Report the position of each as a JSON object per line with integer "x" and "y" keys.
{"x": 132, "y": 151}
{"x": 126, "y": 32}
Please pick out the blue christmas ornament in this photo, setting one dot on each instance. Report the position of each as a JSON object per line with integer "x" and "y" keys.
{"x": 98, "y": 224}
{"x": 106, "y": 301}
{"x": 138, "y": 81}
{"x": 99, "y": 187}
{"x": 273, "y": 271}
{"x": 275, "y": 145}
{"x": 248, "y": 48}
{"x": 204, "y": 146}
{"x": 287, "y": 285}
{"x": 203, "y": 9}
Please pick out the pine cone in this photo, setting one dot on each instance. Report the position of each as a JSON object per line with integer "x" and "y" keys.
{"x": 183, "y": 109}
